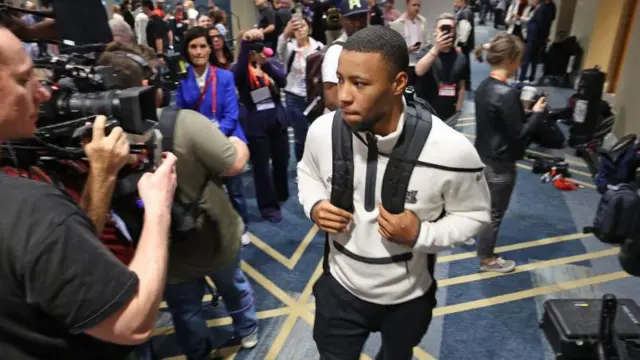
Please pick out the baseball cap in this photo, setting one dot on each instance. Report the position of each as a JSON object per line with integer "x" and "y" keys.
{"x": 353, "y": 7}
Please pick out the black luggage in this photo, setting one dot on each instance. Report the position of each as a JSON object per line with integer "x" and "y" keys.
{"x": 572, "y": 327}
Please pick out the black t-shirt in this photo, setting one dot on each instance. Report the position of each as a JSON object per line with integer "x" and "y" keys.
{"x": 57, "y": 279}
{"x": 157, "y": 28}
{"x": 268, "y": 17}
{"x": 448, "y": 69}
{"x": 283, "y": 16}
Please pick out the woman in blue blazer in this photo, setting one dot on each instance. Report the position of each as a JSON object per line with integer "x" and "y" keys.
{"x": 192, "y": 94}
{"x": 211, "y": 91}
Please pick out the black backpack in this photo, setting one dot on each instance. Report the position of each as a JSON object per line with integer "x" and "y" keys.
{"x": 619, "y": 164}
{"x": 618, "y": 214}
{"x": 402, "y": 161}
{"x": 126, "y": 201}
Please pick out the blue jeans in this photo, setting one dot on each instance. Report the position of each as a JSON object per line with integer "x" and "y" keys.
{"x": 184, "y": 302}
{"x": 236, "y": 196}
{"x": 295, "y": 107}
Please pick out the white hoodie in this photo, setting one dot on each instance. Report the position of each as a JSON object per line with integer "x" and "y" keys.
{"x": 464, "y": 196}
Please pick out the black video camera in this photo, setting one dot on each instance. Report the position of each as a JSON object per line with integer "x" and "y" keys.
{"x": 168, "y": 77}
{"x": 80, "y": 90}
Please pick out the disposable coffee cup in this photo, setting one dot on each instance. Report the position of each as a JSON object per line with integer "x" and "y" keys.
{"x": 528, "y": 96}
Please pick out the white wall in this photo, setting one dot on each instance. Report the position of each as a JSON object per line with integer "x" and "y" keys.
{"x": 584, "y": 19}
{"x": 245, "y": 13}
{"x": 627, "y": 105}
{"x": 564, "y": 17}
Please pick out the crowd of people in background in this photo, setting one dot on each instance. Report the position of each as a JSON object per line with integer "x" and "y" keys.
{"x": 255, "y": 85}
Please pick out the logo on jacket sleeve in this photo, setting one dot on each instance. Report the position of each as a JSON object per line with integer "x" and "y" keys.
{"x": 411, "y": 197}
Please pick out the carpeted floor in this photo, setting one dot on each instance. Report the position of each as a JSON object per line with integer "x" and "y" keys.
{"x": 480, "y": 316}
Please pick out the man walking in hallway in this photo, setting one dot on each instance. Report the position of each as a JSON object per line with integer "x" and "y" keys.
{"x": 378, "y": 271}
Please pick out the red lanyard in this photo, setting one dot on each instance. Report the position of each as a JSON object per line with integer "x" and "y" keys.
{"x": 498, "y": 77}
{"x": 253, "y": 79}
{"x": 212, "y": 81}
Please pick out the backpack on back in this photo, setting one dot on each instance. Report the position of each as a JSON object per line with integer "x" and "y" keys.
{"x": 395, "y": 183}
{"x": 315, "y": 89}
{"x": 293, "y": 54}
{"x": 126, "y": 201}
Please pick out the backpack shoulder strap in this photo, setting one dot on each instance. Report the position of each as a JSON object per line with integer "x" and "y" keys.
{"x": 292, "y": 56}
{"x": 167, "y": 126}
{"x": 417, "y": 127}
{"x": 342, "y": 154}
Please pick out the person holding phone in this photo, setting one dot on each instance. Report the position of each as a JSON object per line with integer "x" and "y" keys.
{"x": 442, "y": 73}
{"x": 294, "y": 47}
{"x": 413, "y": 27}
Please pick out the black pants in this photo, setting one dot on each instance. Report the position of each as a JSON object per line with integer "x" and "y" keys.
{"x": 467, "y": 55}
{"x": 498, "y": 18}
{"x": 343, "y": 323}
{"x": 270, "y": 179}
{"x": 501, "y": 178}
{"x": 531, "y": 58}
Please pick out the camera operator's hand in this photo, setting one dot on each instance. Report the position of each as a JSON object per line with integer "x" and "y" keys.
{"x": 107, "y": 154}
{"x": 540, "y": 105}
{"x": 157, "y": 189}
{"x": 330, "y": 218}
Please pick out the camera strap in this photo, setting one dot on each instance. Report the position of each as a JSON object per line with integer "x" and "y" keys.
{"x": 167, "y": 126}
{"x": 138, "y": 59}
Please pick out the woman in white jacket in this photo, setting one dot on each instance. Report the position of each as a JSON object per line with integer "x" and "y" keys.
{"x": 517, "y": 17}
{"x": 294, "y": 47}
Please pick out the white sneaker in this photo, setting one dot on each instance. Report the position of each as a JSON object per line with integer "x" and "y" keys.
{"x": 499, "y": 265}
{"x": 245, "y": 239}
{"x": 470, "y": 242}
{"x": 250, "y": 341}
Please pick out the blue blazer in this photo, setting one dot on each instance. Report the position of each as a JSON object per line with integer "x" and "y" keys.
{"x": 227, "y": 112}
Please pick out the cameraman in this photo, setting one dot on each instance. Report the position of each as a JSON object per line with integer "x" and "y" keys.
{"x": 63, "y": 295}
{"x": 205, "y": 157}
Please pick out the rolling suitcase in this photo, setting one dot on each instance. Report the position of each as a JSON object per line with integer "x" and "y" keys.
{"x": 572, "y": 327}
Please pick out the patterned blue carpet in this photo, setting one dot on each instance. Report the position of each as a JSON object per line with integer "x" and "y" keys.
{"x": 480, "y": 316}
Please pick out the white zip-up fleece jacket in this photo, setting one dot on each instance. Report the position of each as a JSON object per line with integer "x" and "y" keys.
{"x": 464, "y": 197}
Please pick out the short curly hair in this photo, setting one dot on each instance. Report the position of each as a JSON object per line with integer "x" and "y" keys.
{"x": 131, "y": 72}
